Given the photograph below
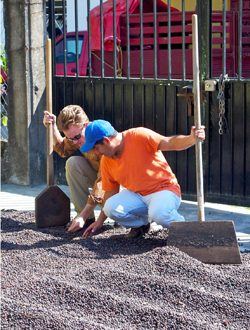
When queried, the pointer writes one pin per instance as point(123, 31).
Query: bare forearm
point(87, 210)
point(57, 137)
point(182, 142)
point(102, 217)
point(177, 142)
point(50, 119)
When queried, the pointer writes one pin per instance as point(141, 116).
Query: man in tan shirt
point(82, 172)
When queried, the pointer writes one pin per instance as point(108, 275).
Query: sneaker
point(138, 232)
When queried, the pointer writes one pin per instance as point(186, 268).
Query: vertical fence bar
point(89, 39)
point(51, 10)
point(183, 42)
point(155, 39)
point(224, 34)
point(208, 67)
point(76, 32)
point(141, 37)
point(240, 41)
point(52, 33)
point(128, 39)
point(204, 12)
point(64, 40)
point(102, 42)
point(114, 38)
point(169, 40)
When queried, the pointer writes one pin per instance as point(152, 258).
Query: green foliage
point(4, 120)
point(2, 63)
point(3, 90)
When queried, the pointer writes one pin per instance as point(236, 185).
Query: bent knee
point(164, 219)
point(70, 163)
point(112, 209)
point(76, 164)
point(108, 208)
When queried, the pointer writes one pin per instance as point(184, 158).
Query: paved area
point(22, 198)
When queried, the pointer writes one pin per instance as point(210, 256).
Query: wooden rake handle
point(50, 165)
point(197, 120)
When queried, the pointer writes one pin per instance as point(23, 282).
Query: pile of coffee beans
point(52, 279)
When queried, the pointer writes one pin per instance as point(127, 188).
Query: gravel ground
point(55, 280)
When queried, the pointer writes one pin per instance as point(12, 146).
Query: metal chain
point(221, 97)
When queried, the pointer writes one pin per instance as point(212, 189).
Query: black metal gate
point(157, 104)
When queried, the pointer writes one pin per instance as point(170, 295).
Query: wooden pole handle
point(197, 120)
point(50, 165)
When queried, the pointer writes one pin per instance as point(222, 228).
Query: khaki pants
point(80, 176)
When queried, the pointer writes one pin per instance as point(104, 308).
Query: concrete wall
point(25, 51)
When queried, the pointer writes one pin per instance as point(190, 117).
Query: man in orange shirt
point(134, 160)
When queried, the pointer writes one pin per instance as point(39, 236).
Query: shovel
point(212, 242)
point(52, 205)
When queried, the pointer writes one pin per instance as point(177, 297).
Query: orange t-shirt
point(142, 168)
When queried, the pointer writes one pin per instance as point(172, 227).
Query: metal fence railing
point(153, 42)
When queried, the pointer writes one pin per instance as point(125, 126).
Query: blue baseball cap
point(95, 131)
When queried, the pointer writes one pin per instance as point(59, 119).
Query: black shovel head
point(211, 242)
point(52, 208)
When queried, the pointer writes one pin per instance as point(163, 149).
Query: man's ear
point(107, 139)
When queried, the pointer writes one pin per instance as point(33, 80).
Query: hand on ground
point(77, 224)
point(92, 229)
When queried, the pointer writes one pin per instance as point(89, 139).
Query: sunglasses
point(78, 136)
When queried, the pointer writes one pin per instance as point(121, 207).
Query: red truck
point(121, 40)
point(71, 54)
point(162, 47)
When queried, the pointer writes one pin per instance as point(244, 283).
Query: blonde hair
point(71, 114)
